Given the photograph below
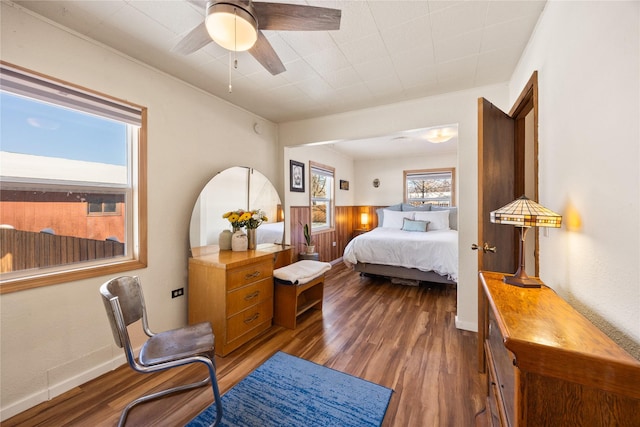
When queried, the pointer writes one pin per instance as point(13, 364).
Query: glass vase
point(251, 237)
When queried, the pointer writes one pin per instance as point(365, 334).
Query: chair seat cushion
point(301, 272)
point(176, 344)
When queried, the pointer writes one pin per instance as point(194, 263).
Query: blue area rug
point(287, 391)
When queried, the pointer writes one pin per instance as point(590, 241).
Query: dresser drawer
point(246, 296)
point(248, 319)
point(252, 273)
point(502, 370)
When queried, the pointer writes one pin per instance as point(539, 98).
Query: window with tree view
point(430, 186)
point(322, 205)
point(72, 182)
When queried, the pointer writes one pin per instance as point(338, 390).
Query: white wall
point(342, 164)
point(390, 173)
point(360, 174)
point(458, 107)
point(588, 59)
point(56, 337)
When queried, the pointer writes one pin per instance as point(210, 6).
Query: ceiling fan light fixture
point(232, 26)
point(437, 136)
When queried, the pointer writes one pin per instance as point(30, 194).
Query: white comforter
point(270, 232)
point(427, 251)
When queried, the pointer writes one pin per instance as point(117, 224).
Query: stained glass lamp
point(524, 214)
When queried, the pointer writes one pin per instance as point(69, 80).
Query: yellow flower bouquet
point(241, 218)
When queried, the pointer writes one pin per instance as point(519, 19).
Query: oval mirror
point(232, 189)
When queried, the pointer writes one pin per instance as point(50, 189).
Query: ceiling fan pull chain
point(235, 44)
point(230, 61)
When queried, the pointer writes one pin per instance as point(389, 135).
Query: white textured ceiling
point(384, 52)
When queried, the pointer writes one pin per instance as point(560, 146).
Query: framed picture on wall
point(296, 176)
point(344, 185)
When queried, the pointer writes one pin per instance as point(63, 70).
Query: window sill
point(45, 279)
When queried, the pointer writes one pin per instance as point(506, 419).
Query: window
point(322, 206)
point(73, 184)
point(105, 205)
point(430, 186)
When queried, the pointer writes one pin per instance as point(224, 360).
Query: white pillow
point(438, 220)
point(395, 219)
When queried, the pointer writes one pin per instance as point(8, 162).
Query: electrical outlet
point(177, 293)
point(334, 244)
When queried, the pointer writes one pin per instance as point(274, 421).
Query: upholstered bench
point(298, 287)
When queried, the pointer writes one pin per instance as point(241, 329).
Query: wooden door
point(501, 175)
point(496, 186)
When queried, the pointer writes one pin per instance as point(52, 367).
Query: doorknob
point(485, 248)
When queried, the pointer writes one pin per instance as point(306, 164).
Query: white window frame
point(328, 171)
point(435, 173)
point(21, 81)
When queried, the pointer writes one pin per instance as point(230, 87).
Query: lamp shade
point(232, 27)
point(524, 212)
point(364, 219)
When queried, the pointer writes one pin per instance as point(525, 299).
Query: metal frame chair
point(124, 303)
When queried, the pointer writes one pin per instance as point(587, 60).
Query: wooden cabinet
point(234, 291)
point(547, 365)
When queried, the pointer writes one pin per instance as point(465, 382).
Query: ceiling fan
point(237, 26)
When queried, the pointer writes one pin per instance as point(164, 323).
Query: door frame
point(526, 102)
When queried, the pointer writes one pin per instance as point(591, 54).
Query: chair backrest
point(124, 303)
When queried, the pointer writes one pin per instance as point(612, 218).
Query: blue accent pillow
point(409, 207)
point(414, 225)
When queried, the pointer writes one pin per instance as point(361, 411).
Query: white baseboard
point(23, 404)
point(467, 326)
point(53, 390)
point(81, 378)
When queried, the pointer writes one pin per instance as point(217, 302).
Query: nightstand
point(314, 256)
point(359, 231)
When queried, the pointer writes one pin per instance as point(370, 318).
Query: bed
point(270, 232)
point(410, 245)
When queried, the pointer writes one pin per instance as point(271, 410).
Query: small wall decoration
point(296, 176)
point(344, 185)
point(376, 183)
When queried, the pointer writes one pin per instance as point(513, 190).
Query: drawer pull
point(252, 275)
point(252, 295)
point(252, 318)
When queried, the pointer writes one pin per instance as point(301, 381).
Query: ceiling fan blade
point(294, 17)
point(263, 52)
point(195, 40)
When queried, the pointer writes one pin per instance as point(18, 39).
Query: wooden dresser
point(234, 291)
point(547, 364)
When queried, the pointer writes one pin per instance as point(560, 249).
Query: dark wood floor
point(402, 337)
